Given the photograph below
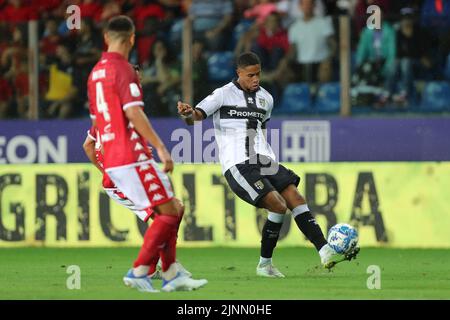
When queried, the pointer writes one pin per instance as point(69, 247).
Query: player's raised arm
point(204, 109)
point(142, 125)
point(189, 114)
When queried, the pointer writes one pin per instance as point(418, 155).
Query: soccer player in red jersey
point(93, 149)
point(115, 101)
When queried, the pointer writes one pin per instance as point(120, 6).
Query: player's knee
point(275, 203)
point(279, 207)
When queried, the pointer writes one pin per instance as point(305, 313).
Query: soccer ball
point(342, 238)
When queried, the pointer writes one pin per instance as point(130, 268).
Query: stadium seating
point(328, 98)
point(296, 99)
point(221, 66)
point(436, 96)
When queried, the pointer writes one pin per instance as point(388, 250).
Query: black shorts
point(252, 180)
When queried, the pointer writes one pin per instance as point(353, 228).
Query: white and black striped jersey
point(239, 118)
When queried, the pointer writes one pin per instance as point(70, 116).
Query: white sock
point(299, 210)
point(275, 217)
point(263, 260)
point(171, 272)
point(141, 271)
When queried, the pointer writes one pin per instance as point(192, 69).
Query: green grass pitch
point(40, 273)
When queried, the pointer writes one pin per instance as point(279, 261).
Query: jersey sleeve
point(92, 133)
point(129, 88)
point(268, 113)
point(211, 103)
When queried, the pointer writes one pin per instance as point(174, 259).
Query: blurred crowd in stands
point(398, 66)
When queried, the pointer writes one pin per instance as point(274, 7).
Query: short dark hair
point(120, 27)
point(247, 59)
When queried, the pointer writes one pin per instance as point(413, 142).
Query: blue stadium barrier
point(436, 96)
point(221, 66)
point(296, 99)
point(328, 98)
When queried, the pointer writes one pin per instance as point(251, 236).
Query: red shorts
point(145, 184)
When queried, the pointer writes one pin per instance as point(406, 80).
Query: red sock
point(156, 236)
point(168, 253)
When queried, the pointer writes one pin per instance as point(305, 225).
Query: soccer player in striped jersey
point(240, 111)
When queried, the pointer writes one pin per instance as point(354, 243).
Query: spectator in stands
point(90, 9)
point(269, 42)
point(199, 71)
point(312, 44)
point(212, 20)
point(292, 10)
point(16, 12)
point(412, 54)
point(149, 21)
point(378, 46)
point(6, 98)
point(61, 95)
point(86, 53)
point(260, 10)
point(160, 82)
point(51, 38)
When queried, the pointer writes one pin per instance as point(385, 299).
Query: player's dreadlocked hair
point(247, 59)
point(120, 27)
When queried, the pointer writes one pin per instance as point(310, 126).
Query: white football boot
point(143, 284)
point(268, 270)
point(179, 281)
point(330, 258)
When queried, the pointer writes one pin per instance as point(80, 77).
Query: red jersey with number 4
point(113, 86)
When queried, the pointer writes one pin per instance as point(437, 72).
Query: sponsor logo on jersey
point(233, 113)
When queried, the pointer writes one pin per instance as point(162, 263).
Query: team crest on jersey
point(262, 102)
point(259, 185)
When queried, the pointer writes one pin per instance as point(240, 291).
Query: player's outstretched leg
point(309, 227)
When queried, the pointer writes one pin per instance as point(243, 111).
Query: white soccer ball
point(342, 238)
